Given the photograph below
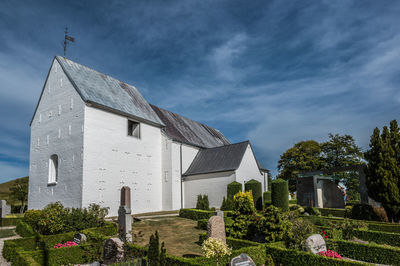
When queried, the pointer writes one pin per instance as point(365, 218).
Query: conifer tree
point(383, 169)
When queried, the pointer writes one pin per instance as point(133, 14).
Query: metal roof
point(219, 159)
point(188, 131)
point(105, 91)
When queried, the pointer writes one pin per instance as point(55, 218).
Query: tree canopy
point(19, 191)
point(383, 169)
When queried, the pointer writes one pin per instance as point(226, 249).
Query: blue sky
point(273, 72)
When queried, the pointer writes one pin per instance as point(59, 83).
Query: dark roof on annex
point(105, 92)
point(219, 159)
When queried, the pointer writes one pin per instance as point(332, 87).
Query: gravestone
point(315, 244)
point(5, 209)
point(242, 260)
point(79, 238)
point(125, 215)
point(219, 213)
point(216, 228)
point(113, 250)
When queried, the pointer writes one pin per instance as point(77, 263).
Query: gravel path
point(3, 261)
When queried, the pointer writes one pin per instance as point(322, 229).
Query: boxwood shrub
point(280, 194)
point(255, 187)
point(392, 239)
point(24, 229)
point(333, 212)
point(233, 188)
point(267, 197)
point(195, 214)
point(9, 221)
point(366, 252)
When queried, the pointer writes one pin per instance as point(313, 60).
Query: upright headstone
point(216, 228)
point(242, 260)
point(5, 209)
point(125, 215)
point(315, 244)
point(113, 251)
point(219, 213)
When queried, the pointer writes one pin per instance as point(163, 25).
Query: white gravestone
point(242, 260)
point(315, 244)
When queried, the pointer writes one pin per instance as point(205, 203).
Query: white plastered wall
point(57, 129)
point(214, 185)
point(112, 159)
point(248, 169)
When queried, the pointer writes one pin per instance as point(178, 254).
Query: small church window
point(53, 169)
point(133, 129)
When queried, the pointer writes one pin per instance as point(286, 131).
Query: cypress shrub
point(233, 189)
point(202, 202)
point(227, 204)
point(255, 187)
point(280, 194)
point(267, 196)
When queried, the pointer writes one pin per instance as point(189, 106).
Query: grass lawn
point(6, 233)
point(179, 234)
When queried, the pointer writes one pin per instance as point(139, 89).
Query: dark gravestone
point(79, 238)
point(242, 260)
point(126, 197)
point(124, 215)
point(113, 250)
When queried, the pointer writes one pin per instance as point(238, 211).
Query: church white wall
point(113, 159)
point(214, 185)
point(248, 169)
point(57, 129)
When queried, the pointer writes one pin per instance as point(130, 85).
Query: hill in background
point(5, 191)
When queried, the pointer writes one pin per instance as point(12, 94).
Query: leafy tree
point(19, 191)
point(303, 156)
point(339, 151)
point(383, 170)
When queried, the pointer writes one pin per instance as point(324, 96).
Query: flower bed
point(330, 254)
point(65, 244)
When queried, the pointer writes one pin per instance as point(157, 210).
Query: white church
point(91, 134)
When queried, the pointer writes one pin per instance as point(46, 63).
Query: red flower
point(326, 236)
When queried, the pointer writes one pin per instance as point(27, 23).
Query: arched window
point(53, 169)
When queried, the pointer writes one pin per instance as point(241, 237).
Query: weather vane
point(67, 39)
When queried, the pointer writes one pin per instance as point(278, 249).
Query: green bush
point(392, 239)
point(297, 235)
point(202, 202)
point(255, 187)
point(55, 219)
point(293, 201)
point(363, 212)
point(12, 246)
point(243, 203)
point(267, 197)
point(9, 221)
point(195, 214)
point(366, 252)
point(233, 188)
point(227, 204)
point(28, 258)
point(312, 211)
point(291, 257)
point(333, 212)
point(280, 194)
point(274, 226)
point(24, 229)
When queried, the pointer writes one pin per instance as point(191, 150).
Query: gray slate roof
point(103, 90)
point(185, 130)
point(220, 159)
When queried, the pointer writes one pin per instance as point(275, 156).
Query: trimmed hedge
point(392, 239)
point(294, 257)
point(9, 221)
point(366, 252)
point(195, 214)
point(23, 244)
point(24, 229)
point(28, 258)
point(267, 197)
point(233, 188)
point(255, 187)
point(293, 201)
point(333, 212)
point(280, 194)
point(83, 253)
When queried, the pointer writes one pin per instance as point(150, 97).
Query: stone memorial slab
point(126, 196)
point(5, 208)
point(219, 213)
point(79, 238)
point(125, 216)
point(315, 244)
point(242, 260)
point(216, 228)
point(113, 250)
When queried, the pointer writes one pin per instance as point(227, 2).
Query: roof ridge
point(227, 145)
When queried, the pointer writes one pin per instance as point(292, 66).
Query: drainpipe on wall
point(265, 184)
point(180, 154)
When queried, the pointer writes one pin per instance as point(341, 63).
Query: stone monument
point(5, 209)
point(242, 260)
point(315, 244)
point(113, 250)
point(79, 238)
point(219, 213)
point(125, 216)
point(216, 228)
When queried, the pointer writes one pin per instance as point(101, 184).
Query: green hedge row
point(387, 238)
point(289, 257)
point(24, 229)
point(9, 221)
point(195, 214)
point(293, 201)
point(372, 225)
point(23, 244)
point(366, 252)
point(83, 253)
point(28, 258)
point(333, 212)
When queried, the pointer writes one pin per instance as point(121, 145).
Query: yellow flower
point(214, 247)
